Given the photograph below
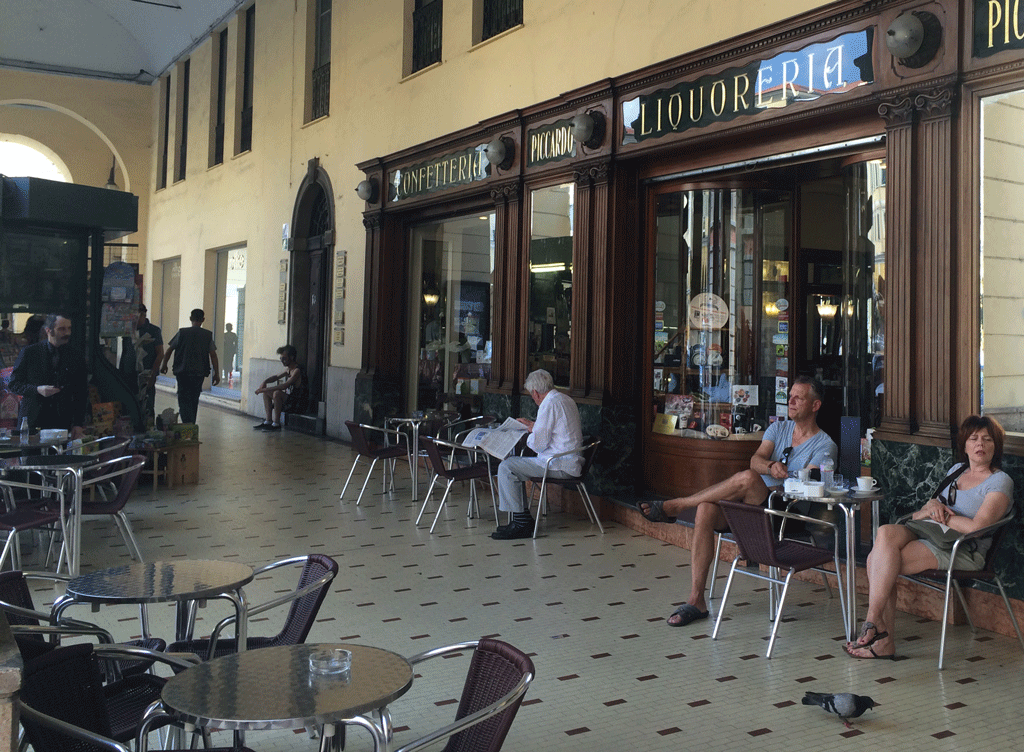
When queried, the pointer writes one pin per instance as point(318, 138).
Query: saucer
point(864, 494)
point(838, 492)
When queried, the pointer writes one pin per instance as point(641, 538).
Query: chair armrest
point(979, 533)
point(63, 727)
point(93, 479)
point(176, 661)
point(399, 435)
point(426, 655)
point(79, 630)
point(787, 515)
point(580, 451)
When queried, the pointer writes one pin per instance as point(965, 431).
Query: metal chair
point(376, 450)
point(126, 471)
point(64, 705)
point(314, 582)
point(105, 448)
point(945, 580)
point(498, 677)
point(589, 449)
point(452, 471)
point(37, 633)
point(757, 543)
point(48, 512)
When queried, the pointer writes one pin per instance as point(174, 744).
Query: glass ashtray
point(331, 662)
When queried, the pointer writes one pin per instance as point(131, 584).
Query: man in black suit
point(52, 379)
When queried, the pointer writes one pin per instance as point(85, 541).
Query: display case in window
point(721, 314)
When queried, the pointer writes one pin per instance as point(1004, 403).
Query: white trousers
point(512, 473)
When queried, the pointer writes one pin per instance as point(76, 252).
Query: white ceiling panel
point(114, 39)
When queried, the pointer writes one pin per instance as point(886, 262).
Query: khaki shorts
point(969, 560)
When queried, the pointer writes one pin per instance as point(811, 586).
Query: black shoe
point(272, 427)
point(513, 532)
point(261, 427)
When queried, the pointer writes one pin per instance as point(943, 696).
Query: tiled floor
point(589, 608)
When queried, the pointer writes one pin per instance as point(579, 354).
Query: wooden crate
point(183, 465)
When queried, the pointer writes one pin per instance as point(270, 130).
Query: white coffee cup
point(814, 488)
point(866, 484)
point(804, 474)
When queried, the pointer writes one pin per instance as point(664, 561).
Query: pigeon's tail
point(814, 698)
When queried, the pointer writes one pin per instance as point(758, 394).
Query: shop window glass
point(452, 270)
point(721, 318)
point(170, 295)
point(1002, 258)
point(550, 322)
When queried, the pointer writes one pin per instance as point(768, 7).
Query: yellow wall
point(563, 44)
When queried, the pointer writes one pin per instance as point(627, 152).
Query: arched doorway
point(309, 283)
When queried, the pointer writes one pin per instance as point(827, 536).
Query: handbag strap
point(948, 480)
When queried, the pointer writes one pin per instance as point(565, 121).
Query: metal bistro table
point(850, 502)
point(183, 582)
point(414, 421)
point(274, 688)
point(64, 466)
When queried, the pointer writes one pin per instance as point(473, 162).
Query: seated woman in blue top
point(983, 496)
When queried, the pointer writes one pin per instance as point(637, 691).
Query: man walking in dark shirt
point(194, 352)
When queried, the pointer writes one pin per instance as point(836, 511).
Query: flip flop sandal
point(850, 648)
point(655, 511)
point(863, 631)
point(687, 615)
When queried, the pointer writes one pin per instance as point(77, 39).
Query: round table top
point(160, 581)
point(48, 461)
point(273, 688)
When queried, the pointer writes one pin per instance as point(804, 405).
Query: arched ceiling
point(126, 40)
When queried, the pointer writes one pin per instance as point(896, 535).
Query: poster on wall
point(708, 311)
point(781, 390)
point(745, 395)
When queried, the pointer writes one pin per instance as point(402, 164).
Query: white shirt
point(558, 430)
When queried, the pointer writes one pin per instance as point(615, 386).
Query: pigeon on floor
point(843, 704)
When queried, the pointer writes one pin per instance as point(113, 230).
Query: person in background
point(230, 348)
point(53, 380)
point(195, 352)
point(556, 430)
point(289, 395)
point(151, 342)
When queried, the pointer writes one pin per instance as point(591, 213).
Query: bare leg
point(702, 552)
point(746, 486)
point(896, 551)
point(278, 404)
point(268, 405)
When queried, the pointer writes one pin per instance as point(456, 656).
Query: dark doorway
point(309, 288)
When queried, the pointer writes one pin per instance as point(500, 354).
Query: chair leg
point(343, 490)
point(369, 474)
point(542, 504)
point(945, 619)
point(426, 499)
point(963, 604)
point(778, 614)
point(714, 564)
point(128, 535)
point(725, 596)
point(440, 507)
point(590, 507)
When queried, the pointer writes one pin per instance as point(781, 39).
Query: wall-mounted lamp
point(367, 190)
point(771, 310)
point(501, 152)
point(588, 128)
point(913, 38)
point(827, 309)
point(111, 185)
point(431, 295)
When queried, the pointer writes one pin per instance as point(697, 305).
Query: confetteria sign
point(998, 26)
point(835, 67)
point(549, 143)
point(458, 168)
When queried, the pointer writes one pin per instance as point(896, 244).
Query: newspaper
point(498, 442)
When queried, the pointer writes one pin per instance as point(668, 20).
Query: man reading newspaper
point(556, 430)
